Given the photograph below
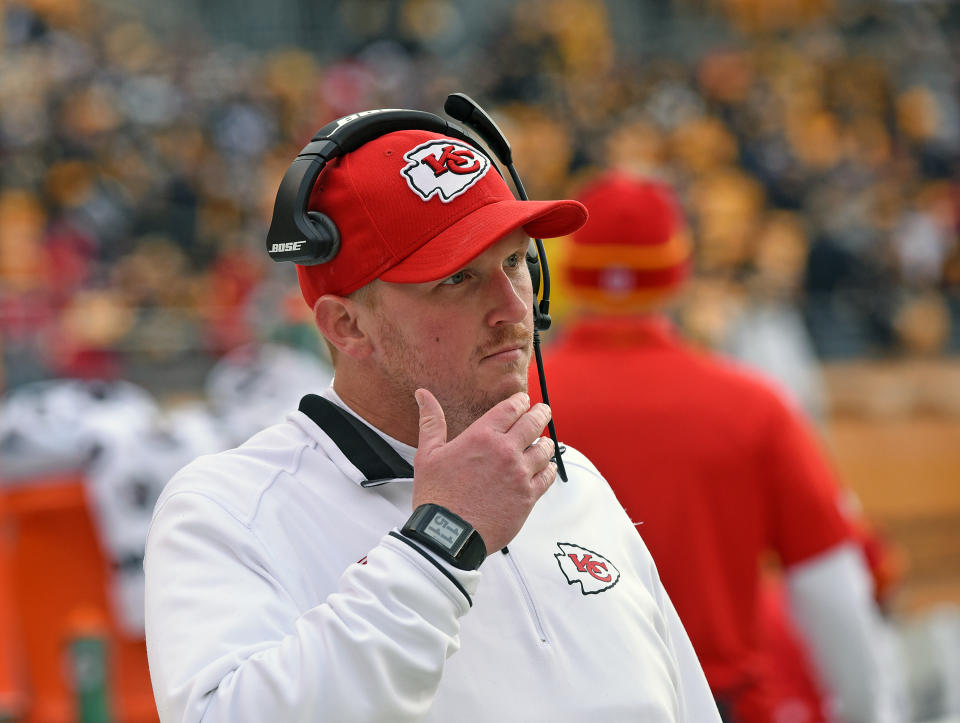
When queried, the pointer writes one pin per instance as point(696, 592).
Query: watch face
point(443, 530)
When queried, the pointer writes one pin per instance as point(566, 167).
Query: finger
point(503, 416)
point(545, 477)
point(539, 453)
point(433, 425)
point(530, 426)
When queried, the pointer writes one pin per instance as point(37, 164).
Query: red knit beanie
point(634, 250)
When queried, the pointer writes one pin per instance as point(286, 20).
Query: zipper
point(527, 597)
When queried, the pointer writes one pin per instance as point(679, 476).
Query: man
point(717, 472)
point(287, 579)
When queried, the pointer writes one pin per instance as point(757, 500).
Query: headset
point(309, 237)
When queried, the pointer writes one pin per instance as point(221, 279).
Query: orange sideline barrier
point(53, 583)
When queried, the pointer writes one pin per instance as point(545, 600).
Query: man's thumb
point(433, 425)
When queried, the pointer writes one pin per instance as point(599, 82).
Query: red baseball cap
point(415, 206)
point(635, 250)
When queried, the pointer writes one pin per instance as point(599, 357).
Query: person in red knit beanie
point(717, 471)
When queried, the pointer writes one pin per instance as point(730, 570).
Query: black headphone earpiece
point(541, 319)
point(326, 232)
point(533, 266)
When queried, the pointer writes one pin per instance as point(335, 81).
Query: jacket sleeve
point(831, 600)
point(697, 704)
point(226, 642)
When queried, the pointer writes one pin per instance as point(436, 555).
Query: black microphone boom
point(463, 108)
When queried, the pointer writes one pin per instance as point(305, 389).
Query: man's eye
point(512, 261)
point(457, 278)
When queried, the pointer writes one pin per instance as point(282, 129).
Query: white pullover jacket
point(278, 590)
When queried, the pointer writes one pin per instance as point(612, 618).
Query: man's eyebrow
point(521, 247)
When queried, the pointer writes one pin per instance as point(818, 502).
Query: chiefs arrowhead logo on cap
point(594, 572)
point(443, 167)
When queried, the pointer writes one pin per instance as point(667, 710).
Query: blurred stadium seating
point(814, 143)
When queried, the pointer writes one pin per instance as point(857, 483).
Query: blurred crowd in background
point(814, 144)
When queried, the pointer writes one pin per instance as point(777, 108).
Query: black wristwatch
point(448, 535)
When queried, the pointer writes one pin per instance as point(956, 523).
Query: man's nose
point(511, 300)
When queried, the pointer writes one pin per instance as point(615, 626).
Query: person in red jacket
point(717, 471)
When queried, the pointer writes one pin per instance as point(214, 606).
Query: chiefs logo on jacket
point(594, 572)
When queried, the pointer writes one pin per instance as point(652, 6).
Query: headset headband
point(307, 237)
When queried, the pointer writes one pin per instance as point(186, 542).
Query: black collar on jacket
point(367, 451)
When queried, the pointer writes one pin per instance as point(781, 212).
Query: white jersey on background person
point(279, 590)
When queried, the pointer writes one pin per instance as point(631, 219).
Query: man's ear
point(339, 320)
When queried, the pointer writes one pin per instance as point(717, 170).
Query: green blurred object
point(88, 665)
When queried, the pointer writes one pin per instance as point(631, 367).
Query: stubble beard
point(462, 402)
